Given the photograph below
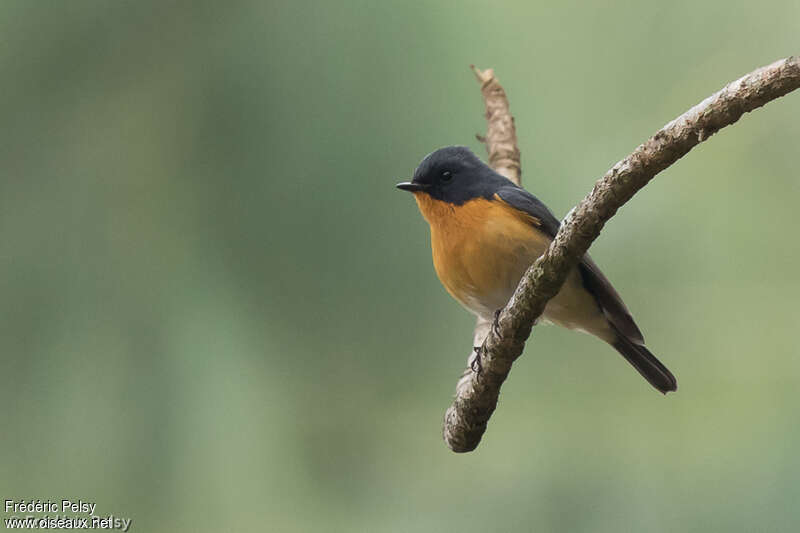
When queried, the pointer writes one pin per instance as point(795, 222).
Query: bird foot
point(496, 324)
point(475, 364)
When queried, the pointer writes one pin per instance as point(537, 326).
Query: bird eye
point(447, 175)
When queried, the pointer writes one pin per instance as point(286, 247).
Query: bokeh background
point(219, 315)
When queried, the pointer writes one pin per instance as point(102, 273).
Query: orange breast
point(481, 249)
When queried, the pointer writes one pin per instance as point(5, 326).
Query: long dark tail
point(646, 363)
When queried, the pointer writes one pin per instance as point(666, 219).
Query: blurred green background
point(219, 315)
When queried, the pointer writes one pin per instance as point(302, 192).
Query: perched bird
point(485, 233)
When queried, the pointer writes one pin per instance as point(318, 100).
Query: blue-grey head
point(455, 175)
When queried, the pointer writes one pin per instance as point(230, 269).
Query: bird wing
point(519, 198)
point(593, 279)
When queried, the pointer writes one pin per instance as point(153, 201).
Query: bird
point(486, 231)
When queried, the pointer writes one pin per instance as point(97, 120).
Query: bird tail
point(646, 363)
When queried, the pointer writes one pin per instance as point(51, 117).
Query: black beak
point(410, 186)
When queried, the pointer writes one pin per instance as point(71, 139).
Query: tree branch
point(501, 136)
point(476, 397)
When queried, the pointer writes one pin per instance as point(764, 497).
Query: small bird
point(485, 233)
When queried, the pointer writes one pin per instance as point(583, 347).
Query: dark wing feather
point(608, 298)
point(519, 198)
point(593, 279)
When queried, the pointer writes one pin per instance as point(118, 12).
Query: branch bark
point(476, 396)
point(501, 135)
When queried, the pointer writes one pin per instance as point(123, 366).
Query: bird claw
point(475, 364)
point(496, 324)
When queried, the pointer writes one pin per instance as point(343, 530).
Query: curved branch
point(466, 419)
